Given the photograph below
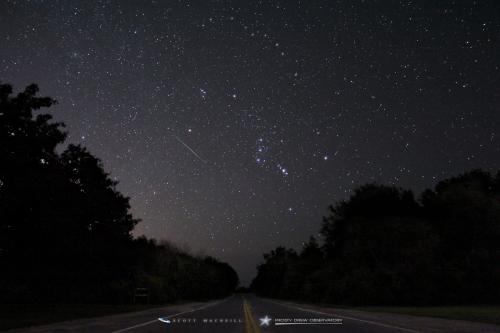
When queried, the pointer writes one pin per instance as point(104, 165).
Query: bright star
point(265, 321)
point(203, 93)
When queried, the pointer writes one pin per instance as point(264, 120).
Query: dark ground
point(243, 313)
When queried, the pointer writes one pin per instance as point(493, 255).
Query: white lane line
point(283, 324)
point(136, 326)
point(171, 316)
point(345, 317)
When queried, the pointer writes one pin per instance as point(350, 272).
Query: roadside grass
point(489, 314)
point(25, 315)
point(485, 314)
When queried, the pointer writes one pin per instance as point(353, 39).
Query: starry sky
point(233, 124)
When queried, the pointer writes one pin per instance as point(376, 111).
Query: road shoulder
point(410, 322)
point(116, 320)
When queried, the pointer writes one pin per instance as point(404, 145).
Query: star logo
point(265, 321)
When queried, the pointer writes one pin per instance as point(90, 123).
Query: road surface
point(250, 314)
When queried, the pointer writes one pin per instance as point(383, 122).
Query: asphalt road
point(250, 314)
point(239, 313)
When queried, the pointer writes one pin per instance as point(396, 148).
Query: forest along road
point(251, 314)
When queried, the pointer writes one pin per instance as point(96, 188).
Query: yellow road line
point(254, 324)
point(250, 324)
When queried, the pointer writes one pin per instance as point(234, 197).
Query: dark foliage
point(65, 231)
point(383, 247)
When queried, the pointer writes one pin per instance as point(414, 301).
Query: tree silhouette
point(465, 211)
point(65, 230)
point(383, 247)
point(29, 160)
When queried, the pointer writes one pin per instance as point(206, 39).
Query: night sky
point(233, 124)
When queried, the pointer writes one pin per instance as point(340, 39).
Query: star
point(207, 108)
point(265, 321)
point(203, 93)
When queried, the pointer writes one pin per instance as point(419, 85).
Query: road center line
point(252, 325)
point(345, 317)
point(248, 326)
point(171, 316)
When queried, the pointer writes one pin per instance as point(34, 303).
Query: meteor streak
point(190, 149)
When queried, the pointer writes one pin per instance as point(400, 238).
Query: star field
point(233, 124)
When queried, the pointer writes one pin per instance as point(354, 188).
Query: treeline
point(382, 246)
point(65, 230)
